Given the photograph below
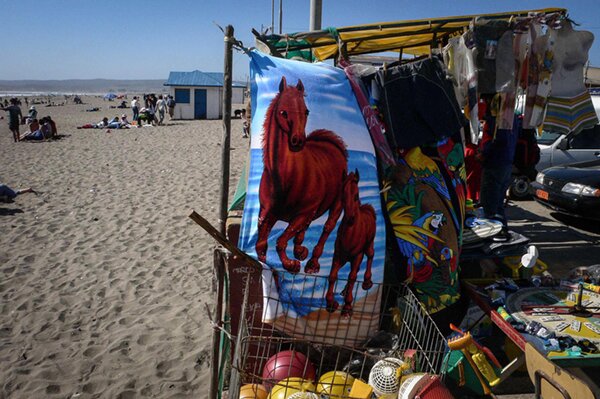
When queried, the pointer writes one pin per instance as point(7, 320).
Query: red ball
point(287, 364)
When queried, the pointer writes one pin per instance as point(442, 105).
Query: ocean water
point(306, 293)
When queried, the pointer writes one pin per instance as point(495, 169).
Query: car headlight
point(580, 189)
point(540, 178)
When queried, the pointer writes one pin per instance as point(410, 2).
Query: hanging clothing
point(570, 114)
point(505, 63)
point(427, 241)
point(370, 113)
point(419, 195)
point(461, 67)
point(533, 72)
point(418, 103)
point(486, 34)
point(544, 63)
point(473, 167)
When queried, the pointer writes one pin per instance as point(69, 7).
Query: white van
point(559, 149)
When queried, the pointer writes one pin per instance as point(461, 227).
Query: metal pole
point(280, 14)
point(225, 148)
point(273, 16)
point(316, 10)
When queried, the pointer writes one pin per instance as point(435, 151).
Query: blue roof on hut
point(198, 78)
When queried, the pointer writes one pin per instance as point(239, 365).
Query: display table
point(552, 308)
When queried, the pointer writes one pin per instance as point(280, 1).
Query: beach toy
point(433, 389)
point(289, 386)
point(253, 391)
point(335, 384)
point(411, 385)
point(385, 376)
point(287, 364)
point(361, 390)
point(303, 395)
point(504, 314)
point(465, 344)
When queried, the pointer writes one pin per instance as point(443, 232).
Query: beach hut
point(199, 95)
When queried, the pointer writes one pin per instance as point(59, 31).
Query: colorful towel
point(312, 211)
point(570, 114)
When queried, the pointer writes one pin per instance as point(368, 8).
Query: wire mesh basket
point(328, 347)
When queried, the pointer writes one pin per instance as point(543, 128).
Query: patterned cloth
point(570, 114)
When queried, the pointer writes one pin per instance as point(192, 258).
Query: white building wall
point(183, 111)
point(213, 104)
point(237, 95)
point(214, 101)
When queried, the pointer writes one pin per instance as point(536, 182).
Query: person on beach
point(135, 108)
point(103, 123)
point(14, 117)
point(171, 106)
point(43, 129)
point(147, 116)
point(32, 114)
point(247, 119)
point(125, 122)
point(161, 108)
point(7, 194)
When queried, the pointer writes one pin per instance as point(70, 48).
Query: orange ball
point(253, 391)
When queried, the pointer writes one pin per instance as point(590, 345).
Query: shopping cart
point(393, 324)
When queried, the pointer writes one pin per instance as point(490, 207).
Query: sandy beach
point(104, 279)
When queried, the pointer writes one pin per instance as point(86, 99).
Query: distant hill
point(83, 86)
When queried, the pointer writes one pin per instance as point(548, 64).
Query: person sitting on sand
point(125, 122)
point(53, 125)
point(146, 115)
point(7, 194)
point(39, 130)
point(115, 123)
point(31, 115)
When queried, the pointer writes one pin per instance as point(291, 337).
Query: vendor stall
point(354, 221)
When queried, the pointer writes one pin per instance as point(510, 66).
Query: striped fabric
point(570, 114)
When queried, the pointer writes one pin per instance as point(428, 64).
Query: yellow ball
point(253, 391)
point(335, 384)
point(285, 388)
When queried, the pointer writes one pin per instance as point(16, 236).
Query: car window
point(587, 139)
point(548, 138)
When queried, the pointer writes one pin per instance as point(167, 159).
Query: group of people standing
point(154, 109)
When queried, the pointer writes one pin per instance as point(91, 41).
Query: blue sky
point(120, 39)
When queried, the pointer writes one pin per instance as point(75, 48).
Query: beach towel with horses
point(313, 211)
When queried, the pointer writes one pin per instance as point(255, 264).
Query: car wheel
point(519, 188)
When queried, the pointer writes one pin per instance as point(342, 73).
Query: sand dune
point(103, 277)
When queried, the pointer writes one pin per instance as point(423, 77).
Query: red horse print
point(355, 238)
point(302, 178)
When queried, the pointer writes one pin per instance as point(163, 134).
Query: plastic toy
point(335, 384)
point(385, 376)
point(466, 345)
point(289, 386)
point(287, 364)
point(253, 391)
